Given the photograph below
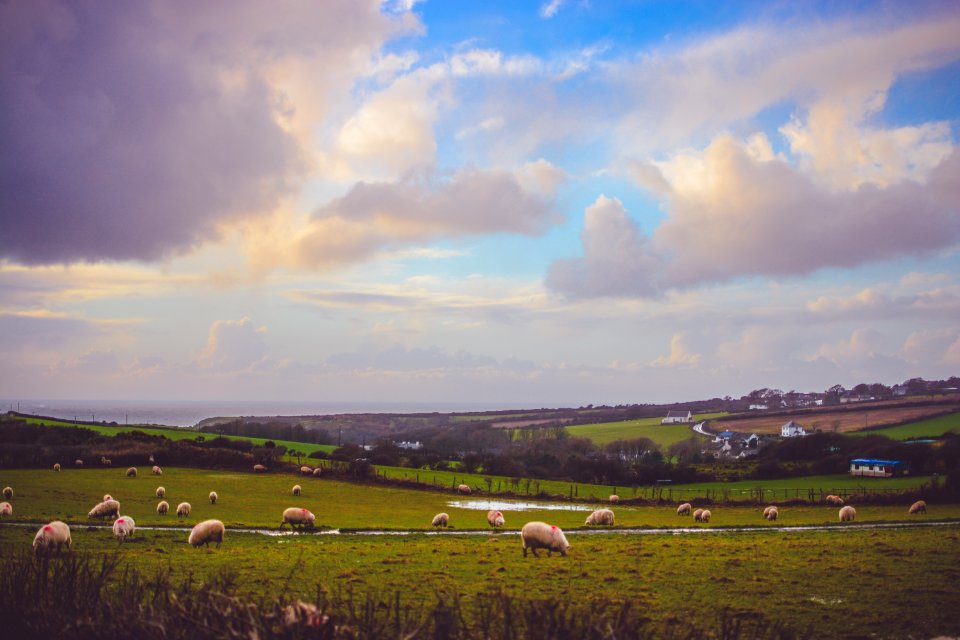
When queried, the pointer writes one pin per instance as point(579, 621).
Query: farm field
point(931, 428)
point(832, 582)
point(663, 434)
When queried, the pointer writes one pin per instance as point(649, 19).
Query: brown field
point(841, 418)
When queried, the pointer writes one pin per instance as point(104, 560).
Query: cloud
point(234, 345)
point(549, 9)
point(131, 132)
point(680, 355)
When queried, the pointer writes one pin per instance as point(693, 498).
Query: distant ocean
point(189, 413)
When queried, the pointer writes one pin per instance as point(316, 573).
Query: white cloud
point(549, 9)
point(234, 345)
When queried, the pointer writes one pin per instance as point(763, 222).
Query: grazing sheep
point(105, 461)
point(600, 517)
point(834, 501)
point(305, 470)
point(56, 466)
point(540, 535)
point(123, 527)
point(132, 472)
point(157, 471)
point(464, 489)
point(78, 462)
point(183, 509)
point(614, 498)
point(441, 520)
point(495, 518)
point(52, 537)
point(162, 507)
point(296, 489)
point(684, 509)
point(213, 497)
point(702, 515)
point(771, 513)
point(696, 515)
point(8, 493)
point(105, 509)
point(6, 509)
point(259, 468)
point(107, 496)
point(848, 514)
point(161, 492)
point(317, 472)
point(297, 517)
point(206, 532)
point(918, 507)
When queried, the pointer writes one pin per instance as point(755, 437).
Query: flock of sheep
point(533, 535)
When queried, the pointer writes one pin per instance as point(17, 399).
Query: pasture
point(834, 582)
point(930, 428)
point(663, 434)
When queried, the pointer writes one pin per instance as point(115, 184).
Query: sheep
point(441, 520)
point(696, 515)
point(600, 517)
point(702, 515)
point(317, 472)
point(834, 501)
point(305, 470)
point(8, 493)
point(684, 509)
point(105, 461)
point(495, 518)
point(464, 489)
point(614, 499)
point(847, 514)
point(6, 509)
point(56, 466)
point(183, 509)
point(259, 468)
point(918, 507)
point(213, 497)
point(78, 462)
point(132, 472)
point(157, 471)
point(540, 535)
point(206, 532)
point(296, 490)
point(162, 507)
point(771, 513)
point(52, 537)
point(107, 496)
point(161, 492)
point(123, 527)
point(105, 509)
point(297, 517)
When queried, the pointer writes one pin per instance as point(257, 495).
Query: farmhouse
point(876, 468)
point(792, 430)
point(677, 417)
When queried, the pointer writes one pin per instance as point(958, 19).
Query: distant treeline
point(274, 430)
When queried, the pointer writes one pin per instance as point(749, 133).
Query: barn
point(876, 468)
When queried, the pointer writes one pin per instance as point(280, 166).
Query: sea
point(178, 413)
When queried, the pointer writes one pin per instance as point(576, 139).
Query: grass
point(931, 428)
point(664, 435)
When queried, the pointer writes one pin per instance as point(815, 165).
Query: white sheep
point(684, 509)
point(464, 489)
point(107, 496)
point(305, 470)
point(132, 472)
point(123, 527)
point(183, 509)
point(213, 497)
point(259, 468)
point(297, 517)
point(614, 498)
point(771, 513)
point(495, 518)
point(540, 535)
point(105, 461)
point(600, 517)
point(6, 509)
point(847, 514)
point(317, 472)
point(834, 501)
point(105, 509)
point(8, 493)
point(78, 462)
point(52, 537)
point(696, 515)
point(162, 507)
point(702, 515)
point(918, 507)
point(206, 532)
point(441, 520)
point(157, 471)
point(296, 489)
point(161, 492)
point(56, 466)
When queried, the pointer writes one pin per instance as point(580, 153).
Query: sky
point(552, 203)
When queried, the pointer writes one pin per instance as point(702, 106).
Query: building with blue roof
point(876, 468)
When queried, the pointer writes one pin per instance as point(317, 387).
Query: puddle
point(503, 505)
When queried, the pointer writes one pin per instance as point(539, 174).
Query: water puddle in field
point(504, 505)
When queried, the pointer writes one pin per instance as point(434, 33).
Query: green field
point(932, 428)
point(835, 582)
point(663, 434)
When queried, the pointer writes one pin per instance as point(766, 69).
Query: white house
point(792, 430)
point(677, 417)
point(758, 407)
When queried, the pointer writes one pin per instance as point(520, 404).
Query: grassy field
point(931, 428)
point(664, 435)
point(835, 582)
